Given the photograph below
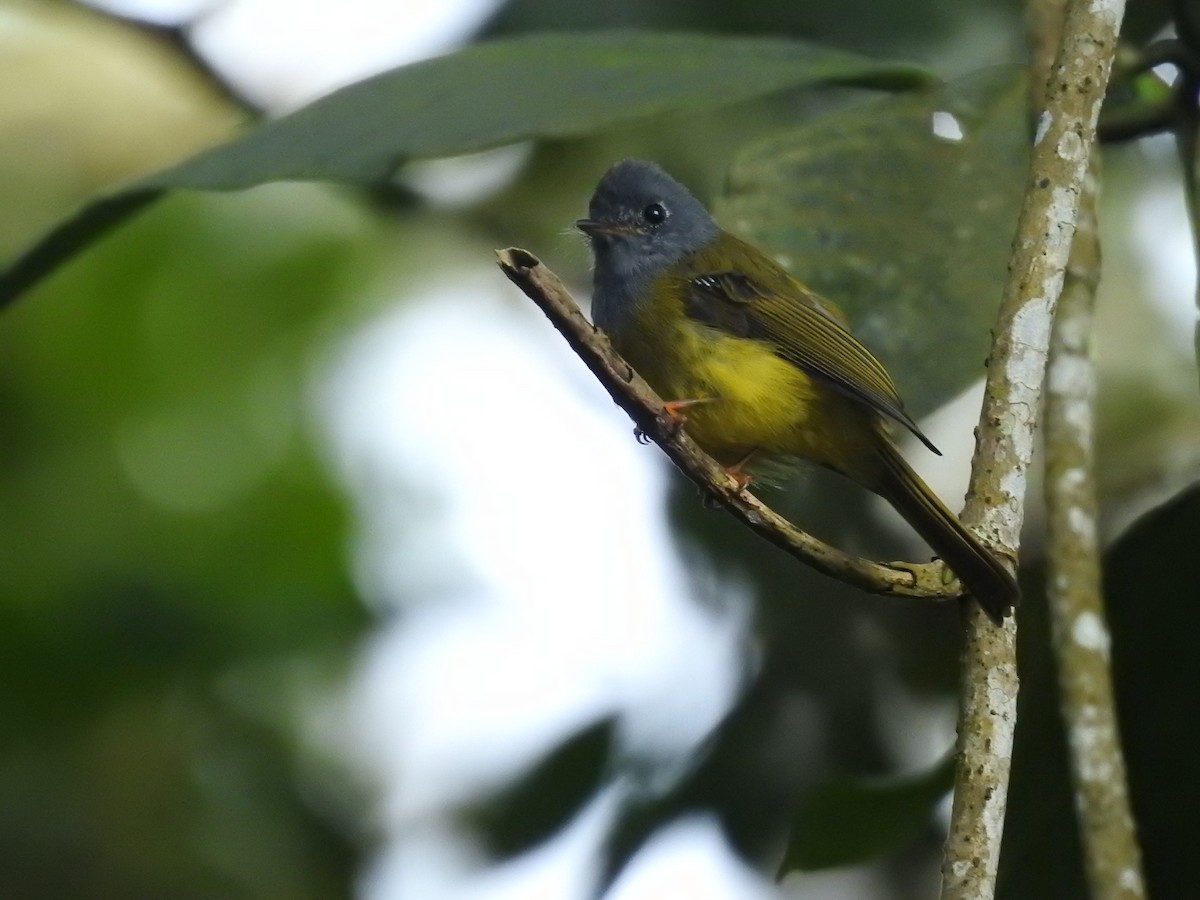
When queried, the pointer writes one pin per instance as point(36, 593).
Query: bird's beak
point(592, 227)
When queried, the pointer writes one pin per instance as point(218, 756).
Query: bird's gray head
point(640, 221)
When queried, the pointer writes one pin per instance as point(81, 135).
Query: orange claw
point(675, 408)
point(741, 479)
point(674, 411)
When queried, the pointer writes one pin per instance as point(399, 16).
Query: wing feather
point(801, 326)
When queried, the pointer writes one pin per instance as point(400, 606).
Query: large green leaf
point(847, 821)
point(909, 231)
point(546, 797)
point(548, 85)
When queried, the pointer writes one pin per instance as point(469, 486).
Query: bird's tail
point(982, 574)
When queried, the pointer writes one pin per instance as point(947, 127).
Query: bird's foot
point(676, 410)
point(675, 413)
point(673, 417)
point(741, 479)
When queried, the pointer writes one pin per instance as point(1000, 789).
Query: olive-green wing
point(803, 327)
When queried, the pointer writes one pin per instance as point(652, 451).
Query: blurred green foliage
point(864, 26)
point(163, 518)
point(844, 821)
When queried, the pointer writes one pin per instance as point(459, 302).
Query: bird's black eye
point(654, 214)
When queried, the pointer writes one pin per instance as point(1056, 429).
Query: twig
point(1004, 446)
point(1081, 642)
point(930, 581)
point(1080, 636)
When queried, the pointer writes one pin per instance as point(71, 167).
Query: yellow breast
point(756, 401)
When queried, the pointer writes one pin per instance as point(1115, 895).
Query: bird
point(756, 367)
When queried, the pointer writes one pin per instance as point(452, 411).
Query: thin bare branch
point(1112, 858)
point(1004, 446)
point(929, 581)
